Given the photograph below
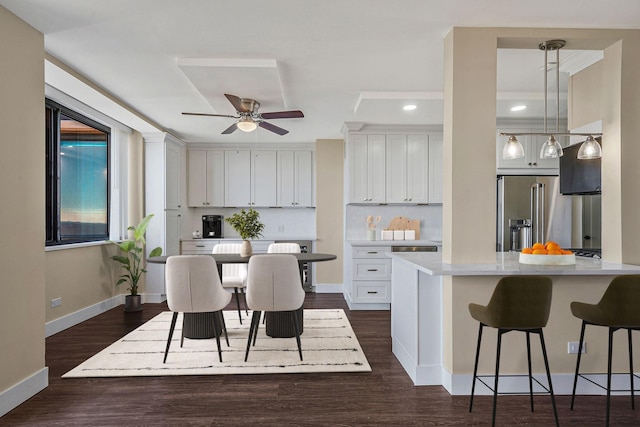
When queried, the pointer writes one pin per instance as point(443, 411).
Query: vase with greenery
point(130, 260)
point(247, 224)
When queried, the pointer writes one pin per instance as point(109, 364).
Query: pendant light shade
point(512, 149)
point(590, 149)
point(551, 149)
point(246, 124)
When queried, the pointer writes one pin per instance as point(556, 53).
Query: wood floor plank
point(386, 396)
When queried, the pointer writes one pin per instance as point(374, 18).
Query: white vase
point(246, 249)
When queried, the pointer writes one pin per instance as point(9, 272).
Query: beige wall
point(585, 96)
point(22, 163)
point(330, 208)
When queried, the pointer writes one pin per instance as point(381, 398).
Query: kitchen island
point(434, 336)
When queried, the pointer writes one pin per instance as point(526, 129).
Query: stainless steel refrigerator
point(530, 209)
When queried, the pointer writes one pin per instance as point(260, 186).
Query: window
point(77, 187)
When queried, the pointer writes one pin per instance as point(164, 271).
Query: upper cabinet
point(250, 178)
point(295, 178)
point(398, 168)
point(366, 168)
point(532, 145)
point(206, 178)
point(407, 172)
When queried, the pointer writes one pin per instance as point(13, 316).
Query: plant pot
point(133, 303)
point(246, 249)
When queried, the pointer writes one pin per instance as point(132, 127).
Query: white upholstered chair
point(233, 275)
point(193, 286)
point(273, 285)
point(284, 248)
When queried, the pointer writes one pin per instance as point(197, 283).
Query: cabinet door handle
point(372, 269)
point(372, 252)
point(372, 292)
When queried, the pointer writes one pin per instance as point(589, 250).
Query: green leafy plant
point(246, 224)
point(130, 258)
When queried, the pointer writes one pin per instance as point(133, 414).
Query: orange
point(539, 251)
point(537, 246)
point(552, 246)
point(566, 252)
point(527, 251)
point(555, 252)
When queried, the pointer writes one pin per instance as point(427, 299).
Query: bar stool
point(518, 303)
point(619, 308)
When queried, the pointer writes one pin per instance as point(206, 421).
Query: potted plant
point(130, 259)
point(247, 224)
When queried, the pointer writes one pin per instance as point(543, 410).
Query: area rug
point(328, 345)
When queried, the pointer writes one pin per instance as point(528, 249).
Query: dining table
point(278, 324)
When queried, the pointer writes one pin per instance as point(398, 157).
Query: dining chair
point(284, 248)
point(273, 285)
point(233, 275)
point(518, 303)
point(193, 286)
point(619, 308)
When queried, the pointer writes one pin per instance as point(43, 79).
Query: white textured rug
point(328, 345)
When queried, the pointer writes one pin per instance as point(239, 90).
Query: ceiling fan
point(249, 118)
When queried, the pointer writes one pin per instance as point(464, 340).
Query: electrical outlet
point(56, 302)
point(572, 347)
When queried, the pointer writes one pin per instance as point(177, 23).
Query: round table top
point(237, 259)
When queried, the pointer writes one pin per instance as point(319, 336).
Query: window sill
point(75, 245)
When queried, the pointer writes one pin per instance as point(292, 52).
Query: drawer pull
point(199, 246)
point(372, 292)
point(372, 252)
point(372, 269)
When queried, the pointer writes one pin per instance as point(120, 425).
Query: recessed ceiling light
point(409, 107)
point(519, 108)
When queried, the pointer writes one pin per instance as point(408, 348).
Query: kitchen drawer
point(372, 291)
point(373, 269)
point(370, 251)
point(193, 247)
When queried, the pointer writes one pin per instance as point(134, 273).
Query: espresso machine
point(212, 226)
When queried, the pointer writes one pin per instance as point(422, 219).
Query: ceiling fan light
point(246, 124)
point(551, 149)
point(512, 149)
point(590, 149)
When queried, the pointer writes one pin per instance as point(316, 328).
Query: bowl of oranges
point(549, 253)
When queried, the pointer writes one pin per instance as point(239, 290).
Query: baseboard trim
point(60, 324)
point(24, 390)
point(328, 288)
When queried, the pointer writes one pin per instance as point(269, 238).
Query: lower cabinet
point(205, 246)
point(371, 275)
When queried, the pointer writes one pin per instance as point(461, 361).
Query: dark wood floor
point(386, 396)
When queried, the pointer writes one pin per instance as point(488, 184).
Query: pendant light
point(246, 124)
point(552, 149)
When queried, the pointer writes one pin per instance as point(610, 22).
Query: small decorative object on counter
point(371, 227)
point(247, 224)
point(398, 234)
point(387, 234)
point(547, 254)
point(196, 234)
point(409, 235)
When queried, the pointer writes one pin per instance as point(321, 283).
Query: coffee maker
point(212, 226)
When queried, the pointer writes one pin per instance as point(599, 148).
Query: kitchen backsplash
point(430, 217)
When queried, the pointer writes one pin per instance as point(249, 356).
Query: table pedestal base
point(280, 324)
point(198, 326)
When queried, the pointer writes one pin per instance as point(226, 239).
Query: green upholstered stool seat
point(619, 308)
point(518, 303)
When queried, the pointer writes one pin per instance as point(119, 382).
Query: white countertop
point(394, 243)
point(507, 265)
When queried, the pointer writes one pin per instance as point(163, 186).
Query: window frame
point(53, 112)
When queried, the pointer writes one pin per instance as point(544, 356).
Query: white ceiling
point(337, 61)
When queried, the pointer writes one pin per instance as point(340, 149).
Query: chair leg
point(235, 291)
point(182, 333)
point(253, 329)
point(495, 383)
point(575, 377)
point(173, 326)
point(296, 324)
point(633, 404)
point(611, 330)
point(244, 297)
point(528, 334)
point(224, 326)
point(546, 365)
point(216, 327)
point(475, 367)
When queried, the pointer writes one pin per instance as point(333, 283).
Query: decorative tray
point(547, 259)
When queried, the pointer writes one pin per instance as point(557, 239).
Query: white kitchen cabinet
point(371, 275)
point(407, 172)
point(366, 168)
point(206, 178)
point(531, 144)
point(205, 246)
point(250, 178)
point(295, 178)
point(435, 168)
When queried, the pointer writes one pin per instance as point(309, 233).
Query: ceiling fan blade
point(237, 103)
point(282, 115)
point(211, 115)
point(273, 128)
point(230, 129)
